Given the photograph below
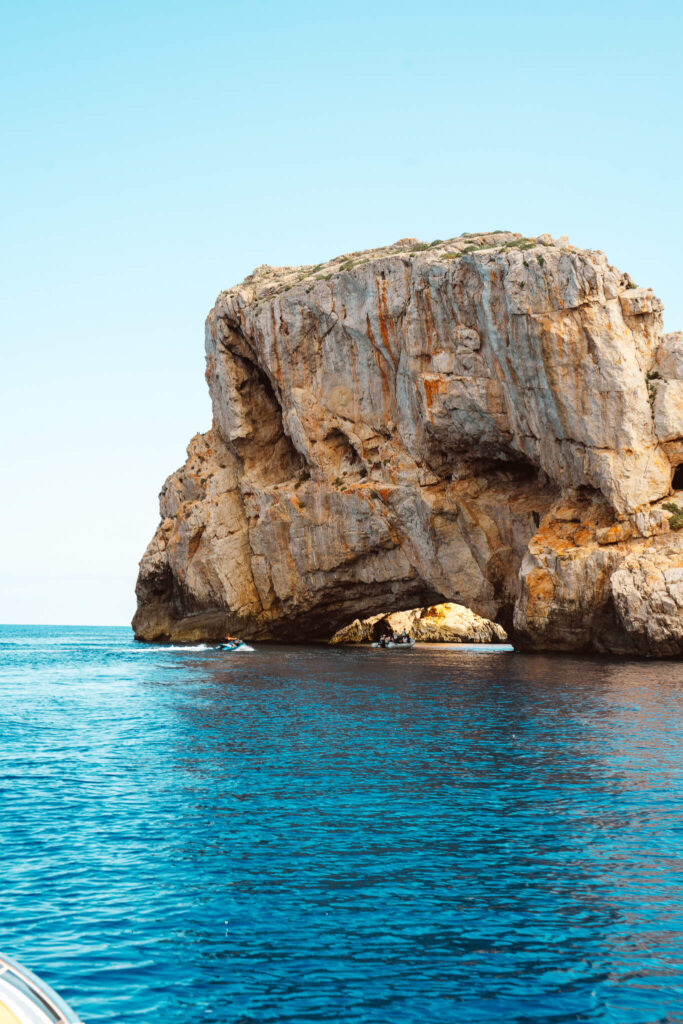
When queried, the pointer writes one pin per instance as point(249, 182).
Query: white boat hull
point(391, 646)
point(26, 999)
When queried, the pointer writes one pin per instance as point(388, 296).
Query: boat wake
point(190, 648)
point(180, 647)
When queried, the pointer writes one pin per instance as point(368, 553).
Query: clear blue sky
point(153, 153)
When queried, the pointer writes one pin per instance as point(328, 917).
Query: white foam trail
point(180, 647)
point(196, 647)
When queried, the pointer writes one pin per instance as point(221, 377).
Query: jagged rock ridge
point(491, 420)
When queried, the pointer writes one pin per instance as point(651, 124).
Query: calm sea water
point(307, 835)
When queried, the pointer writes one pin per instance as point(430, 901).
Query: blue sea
point(338, 835)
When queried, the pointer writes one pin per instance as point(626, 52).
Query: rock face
point(441, 623)
point(491, 420)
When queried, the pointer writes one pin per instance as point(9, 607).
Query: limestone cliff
point(491, 420)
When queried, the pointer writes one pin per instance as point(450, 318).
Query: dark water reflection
point(337, 835)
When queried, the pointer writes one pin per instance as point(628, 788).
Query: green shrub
point(464, 252)
point(522, 243)
point(676, 521)
point(651, 390)
point(482, 234)
point(518, 243)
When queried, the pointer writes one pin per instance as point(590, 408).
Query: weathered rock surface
point(648, 594)
point(492, 420)
point(441, 623)
point(669, 362)
point(572, 588)
point(668, 409)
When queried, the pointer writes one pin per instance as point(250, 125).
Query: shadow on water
point(306, 834)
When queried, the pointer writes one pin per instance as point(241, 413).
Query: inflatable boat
point(393, 645)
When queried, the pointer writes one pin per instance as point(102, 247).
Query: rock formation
point(491, 420)
point(440, 623)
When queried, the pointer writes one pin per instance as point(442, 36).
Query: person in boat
point(404, 637)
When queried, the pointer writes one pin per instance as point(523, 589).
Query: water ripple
point(307, 835)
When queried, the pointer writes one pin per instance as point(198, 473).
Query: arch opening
point(438, 623)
